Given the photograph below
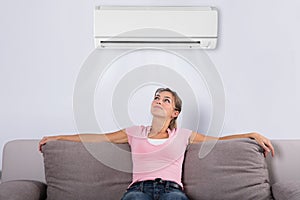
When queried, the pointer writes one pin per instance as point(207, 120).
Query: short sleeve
point(186, 134)
point(134, 131)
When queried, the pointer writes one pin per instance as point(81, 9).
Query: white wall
point(44, 43)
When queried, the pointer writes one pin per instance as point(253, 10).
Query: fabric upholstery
point(284, 166)
point(234, 169)
point(22, 161)
point(289, 190)
point(22, 190)
point(73, 173)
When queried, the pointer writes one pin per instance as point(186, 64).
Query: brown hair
point(178, 104)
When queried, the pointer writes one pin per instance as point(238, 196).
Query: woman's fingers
point(266, 144)
point(270, 147)
point(44, 140)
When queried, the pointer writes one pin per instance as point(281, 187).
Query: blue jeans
point(154, 190)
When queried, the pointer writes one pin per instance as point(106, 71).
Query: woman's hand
point(264, 142)
point(46, 139)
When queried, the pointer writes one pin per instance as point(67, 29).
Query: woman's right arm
point(114, 137)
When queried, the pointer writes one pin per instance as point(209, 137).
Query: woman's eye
point(167, 100)
point(156, 98)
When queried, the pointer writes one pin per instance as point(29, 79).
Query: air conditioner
point(179, 27)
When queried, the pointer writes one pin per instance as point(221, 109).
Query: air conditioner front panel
point(190, 23)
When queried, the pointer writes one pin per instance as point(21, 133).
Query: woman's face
point(163, 105)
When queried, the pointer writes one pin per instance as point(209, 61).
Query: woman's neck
point(159, 128)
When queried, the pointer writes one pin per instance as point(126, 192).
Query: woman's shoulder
point(137, 130)
point(184, 130)
point(183, 133)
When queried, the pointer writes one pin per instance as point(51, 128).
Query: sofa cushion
point(234, 169)
point(289, 190)
point(73, 173)
point(22, 190)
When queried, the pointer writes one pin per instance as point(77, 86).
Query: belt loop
point(142, 186)
point(167, 186)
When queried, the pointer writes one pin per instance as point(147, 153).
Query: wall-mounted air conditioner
point(183, 27)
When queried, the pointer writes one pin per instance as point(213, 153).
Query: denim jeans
point(153, 190)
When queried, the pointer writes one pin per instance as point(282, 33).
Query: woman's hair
point(178, 104)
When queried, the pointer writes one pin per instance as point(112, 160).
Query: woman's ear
point(175, 113)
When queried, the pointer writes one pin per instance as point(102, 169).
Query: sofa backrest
point(23, 161)
point(232, 170)
point(285, 165)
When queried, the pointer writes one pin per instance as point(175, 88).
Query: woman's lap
point(138, 195)
point(151, 192)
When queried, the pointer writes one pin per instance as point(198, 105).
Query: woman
point(158, 150)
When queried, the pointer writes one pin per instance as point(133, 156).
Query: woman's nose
point(158, 101)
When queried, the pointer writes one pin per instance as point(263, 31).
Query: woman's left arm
point(264, 142)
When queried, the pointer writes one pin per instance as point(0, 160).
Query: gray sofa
point(233, 170)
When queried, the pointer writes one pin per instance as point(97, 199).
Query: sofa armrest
point(288, 190)
point(23, 190)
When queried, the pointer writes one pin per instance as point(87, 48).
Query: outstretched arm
point(261, 140)
point(115, 137)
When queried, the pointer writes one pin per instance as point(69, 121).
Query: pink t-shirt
point(157, 161)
